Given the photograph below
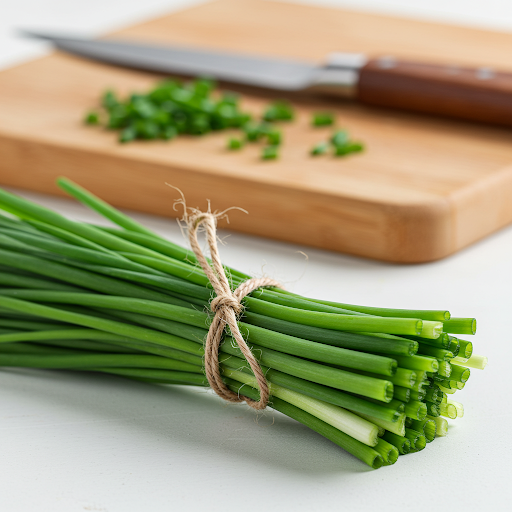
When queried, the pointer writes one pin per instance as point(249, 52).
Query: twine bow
point(227, 308)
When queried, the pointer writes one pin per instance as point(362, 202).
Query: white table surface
point(70, 442)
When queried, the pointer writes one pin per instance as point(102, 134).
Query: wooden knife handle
point(478, 94)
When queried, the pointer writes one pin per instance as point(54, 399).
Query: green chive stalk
point(417, 439)
point(441, 426)
point(460, 326)
point(125, 301)
point(402, 444)
point(427, 426)
point(475, 361)
point(448, 410)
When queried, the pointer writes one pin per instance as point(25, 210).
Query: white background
point(71, 443)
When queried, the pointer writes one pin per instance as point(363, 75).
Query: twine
point(227, 308)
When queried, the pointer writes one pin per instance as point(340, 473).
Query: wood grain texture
point(477, 94)
point(424, 188)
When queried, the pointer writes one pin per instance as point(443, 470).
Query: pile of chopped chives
point(168, 110)
point(173, 108)
point(377, 382)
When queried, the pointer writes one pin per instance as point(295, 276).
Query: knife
point(477, 94)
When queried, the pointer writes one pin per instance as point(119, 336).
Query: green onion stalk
point(124, 301)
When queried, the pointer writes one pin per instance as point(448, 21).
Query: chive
point(460, 326)
point(449, 391)
point(320, 149)
point(322, 119)
point(270, 152)
point(253, 132)
point(234, 143)
point(433, 394)
point(418, 395)
point(92, 117)
point(466, 349)
point(168, 133)
point(445, 369)
point(95, 203)
point(127, 134)
point(458, 406)
point(350, 340)
point(402, 394)
point(432, 409)
point(416, 410)
point(93, 360)
point(441, 426)
point(348, 148)
point(402, 444)
point(436, 352)
point(109, 100)
point(345, 421)
point(433, 315)
point(448, 410)
point(387, 451)
point(279, 111)
point(397, 427)
point(459, 373)
point(340, 138)
point(403, 377)
point(475, 361)
point(363, 452)
point(427, 427)
point(416, 438)
point(424, 363)
point(274, 137)
point(324, 393)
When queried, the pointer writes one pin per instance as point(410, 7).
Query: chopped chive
point(346, 149)
point(92, 118)
point(252, 132)
point(274, 137)
point(320, 149)
point(270, 152)
point(235, 143)
point(127, 135)
point(340, 138)
point(322, 119)
point(169, 132)
point(279, 111)
point(109, 100)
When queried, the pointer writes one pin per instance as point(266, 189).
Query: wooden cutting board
point(424, 188)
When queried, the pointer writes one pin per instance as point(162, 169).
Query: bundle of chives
point(127, 302)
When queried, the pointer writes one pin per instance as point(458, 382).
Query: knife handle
point(477, 94)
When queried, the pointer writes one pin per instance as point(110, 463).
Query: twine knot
point(226, 301)
point(227, 306)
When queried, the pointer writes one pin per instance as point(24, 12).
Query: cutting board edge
point(412, 233)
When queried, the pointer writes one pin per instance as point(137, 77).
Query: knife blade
point(477, 94)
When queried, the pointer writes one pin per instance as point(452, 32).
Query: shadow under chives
point(270, 440)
